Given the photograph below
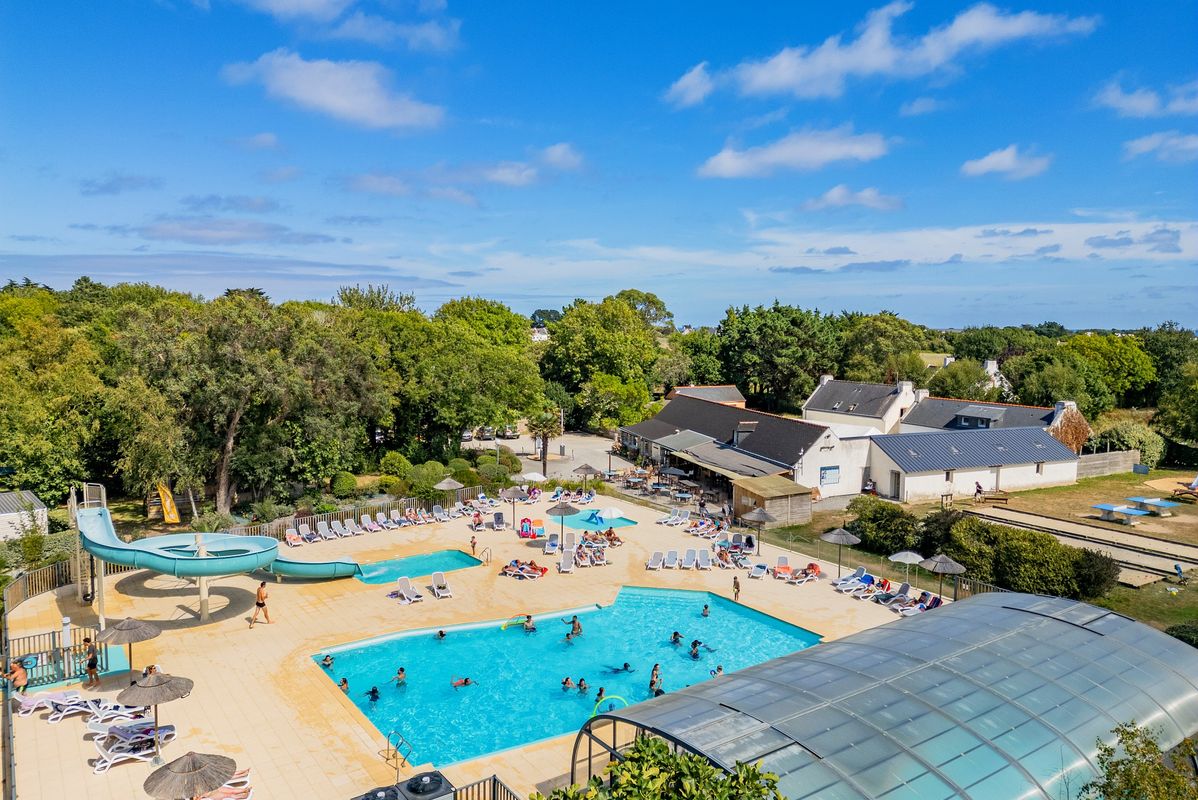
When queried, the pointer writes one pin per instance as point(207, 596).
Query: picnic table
point(1124, 515)
point(1154, 505)
point(683, 496)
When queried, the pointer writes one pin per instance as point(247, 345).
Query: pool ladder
point(397, 752)
point(485, 555)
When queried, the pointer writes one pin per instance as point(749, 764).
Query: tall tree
point(1135, 768)
point(490, 319)
point(1170, 347)
point(870, 342)
point(543, 425)
point(608, 337)
point(702, 347)
point(651, 308)
point(775, 354)
point(963, 379)
point(1120, 360)
point(375, 298)
point(1178, 415)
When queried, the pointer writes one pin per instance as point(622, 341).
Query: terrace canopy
point(1000, 696)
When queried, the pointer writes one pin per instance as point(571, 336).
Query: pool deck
point(261, 700)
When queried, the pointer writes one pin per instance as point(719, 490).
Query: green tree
point(1130, 435)
point(374, 298)
point(1135, 768)
point(702, 348)
point(543, 317)
point(491, 320)
point(963, 379)
point(543, 425)
point(651, 770)
point(672, 368)
point(1120, 360)
point(871, 342)
point(906, 367)
point(606, 402)
point(776, 354)
point(651, 308)
point(1045, 377)
point(1171, 347)
point(883, 527)
point(1178, 415)
point(592, 338)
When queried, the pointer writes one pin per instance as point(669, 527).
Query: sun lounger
point(681, 519)
point(307, 534)
point(126, 731)
point(487, 501)
point(737, 543)
point(404, 592)
point(852, 586)
point(29, 703)
point(886, 598)
point(425, 517)
point(97, 709)
point(811, 573)
point(113, 751)
point(689, 559)
point(569, 542)
point(1124, 515)
point(586, 498)
point(599, 557)
point(704, 559)
point(783, 570)
point(582, 557)
point(759, 571)
point(566, 564)
point(339, 528)
point(498, 522)
point(458, 510)
point(384, 522)
point(353, 527)
point(441, 586)
point(655, 560)
point(324, 530)
point(292, 538)
point(855, 576)
point(439, 514)
point(556, 496)
point(669, 518)
point(551, 545)
point(370, 524)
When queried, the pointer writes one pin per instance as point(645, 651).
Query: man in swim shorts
point(575, 626)
point(706, 611)
point(718, 671)
point(93, 662)
point(260, 605)
point(529, 625)
point(401, 677)
point(459, 682)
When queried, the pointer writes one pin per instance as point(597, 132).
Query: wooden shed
point(786, 501)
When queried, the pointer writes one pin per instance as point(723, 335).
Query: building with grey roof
point(876, 405)
point(727, 394)
point(948, 414)
point(1000, 696)
point(20, 510)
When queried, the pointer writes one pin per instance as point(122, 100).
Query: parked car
point(486, 434)
point(509, 432)
point(467, 435)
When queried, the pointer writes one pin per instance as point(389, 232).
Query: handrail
point(485, 555)
point(391, 753)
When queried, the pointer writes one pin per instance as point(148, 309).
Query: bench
point(1124, 515)
point(1153, 505)
point(995, 497)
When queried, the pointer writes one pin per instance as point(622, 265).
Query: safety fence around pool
point(491, 788)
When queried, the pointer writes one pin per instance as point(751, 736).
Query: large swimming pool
point(414, 566)
point(518, 698)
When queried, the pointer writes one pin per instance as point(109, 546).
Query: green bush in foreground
point(1186, 631)
point(650, 771)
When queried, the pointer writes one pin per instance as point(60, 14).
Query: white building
point(879, 406)
point(20, 509)
point(911, 467)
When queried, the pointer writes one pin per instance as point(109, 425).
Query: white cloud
point(281, 174)
point(510, 173)
point(453, 194)
point(432, 36)
point(378, 183)
point(1008, 162)
point(692, 88)
point(259, 141)
point(822, 71)
point(841, 195)
point(230, 202)
point(920, 106)
point(207, 230)
point(803, 150)
point(319, 10)
point(353, 91)
point(562, 156)
point(1183, 99)
point(1172, 147)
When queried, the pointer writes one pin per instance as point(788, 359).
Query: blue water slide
point(340, 568)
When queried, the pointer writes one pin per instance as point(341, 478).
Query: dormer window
point(836, 405)
point(852, 406)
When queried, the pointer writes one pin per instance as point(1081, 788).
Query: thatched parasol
point(193, 775)
point(127, 632)
point(152, 690)
point(839, 537)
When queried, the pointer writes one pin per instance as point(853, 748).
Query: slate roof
point(776, 438)
point(851, 397)
point(928, 452)
point(939, 412)
point(16, 502)
point(718, 394)
point(730, 459)
point(683, 439)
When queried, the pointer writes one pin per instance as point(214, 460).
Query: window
point(1039, 467)
point(829, 476)
point(948, 475)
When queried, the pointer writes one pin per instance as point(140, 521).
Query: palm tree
point(545, 425)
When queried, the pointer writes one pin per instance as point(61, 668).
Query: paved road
point(580, 448)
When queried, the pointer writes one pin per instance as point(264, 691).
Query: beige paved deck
point(260, 699)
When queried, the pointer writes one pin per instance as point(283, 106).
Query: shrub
point(1033, 562)
point(458, 464)
point(935, 529)
point(883, 527)
point(1131, 435)
point(1186, 631)
point(393, 485)
point(493, 473)
point(426, 475)
point(1095, 574)
point(970, 545)
point(467, 477)
point(344, 484)
point(394, 463)
point(268, 510)
point(324, 507)
point(212, 522)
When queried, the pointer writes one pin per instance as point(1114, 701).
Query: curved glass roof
point(998, 697)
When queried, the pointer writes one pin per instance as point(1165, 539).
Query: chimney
point(905, 386)
point(743, 429)
point(990, 365)
point(823, 379)
point(949, 359)
point(921, 394)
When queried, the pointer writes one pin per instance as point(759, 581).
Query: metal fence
point(48, 578)
point(491, 788)
point(52, 657)
point(964, 587)
point(8, 787)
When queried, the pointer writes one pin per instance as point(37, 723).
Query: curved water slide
point(178, 554)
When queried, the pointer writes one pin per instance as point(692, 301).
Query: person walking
point(736, 588)
point(93, 663)
point(260, 605)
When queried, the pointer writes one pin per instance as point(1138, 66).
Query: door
point(895, 478)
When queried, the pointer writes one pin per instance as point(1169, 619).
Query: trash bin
point(561, 450)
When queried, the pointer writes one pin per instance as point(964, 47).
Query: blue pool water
point(415, 566)
point(518, 698)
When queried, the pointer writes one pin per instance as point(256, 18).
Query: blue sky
point(956, 163)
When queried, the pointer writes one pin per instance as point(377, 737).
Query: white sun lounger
point(127, 731)
point(582, 558)
point(759, 571)
point(681, 519)
point(856, 575)
point(370, 525)
point(599, 557)
point(353, 527)
point(551, 545)
point(689, 558)
point(671, 561)
point(667, 519)
point(441, 586)
point(566, 564)
point(439, 514)
point(498, 522)
point(325, 532)
point(306, 533)
point(339, 528)
point(655, 560)
point(98, 710)
point(383, 522)
point(405, 592)
point(292, 538)
point(399, 519)
point(113, 750)
point(570, 542)
point(704, 559)
point(29, 703)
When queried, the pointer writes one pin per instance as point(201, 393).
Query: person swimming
point(344, 685)
point(599, 695)
point(616, 670)
point(569, 638)
point(582, 686)
point(529, 625)
point(327, 662)
point(401, 677)
point(439, 635)
point(706, 611)
point(373, 694)
point(718, 671)
point(676, 638)
point(459, 682)
point(567, 683)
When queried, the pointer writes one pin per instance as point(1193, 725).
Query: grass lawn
point(1154, 604)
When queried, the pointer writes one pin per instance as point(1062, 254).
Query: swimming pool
point(414, 566)
point(518, 698)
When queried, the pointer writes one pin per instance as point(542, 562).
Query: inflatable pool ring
point(605, 699)
point(518, 618)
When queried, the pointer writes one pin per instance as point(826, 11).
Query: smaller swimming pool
point(416, 566)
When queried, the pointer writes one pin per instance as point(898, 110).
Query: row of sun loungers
point(407, 594)
point(691, 559)
point(340, 529)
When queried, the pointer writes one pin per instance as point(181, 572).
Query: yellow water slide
point(170, 512)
